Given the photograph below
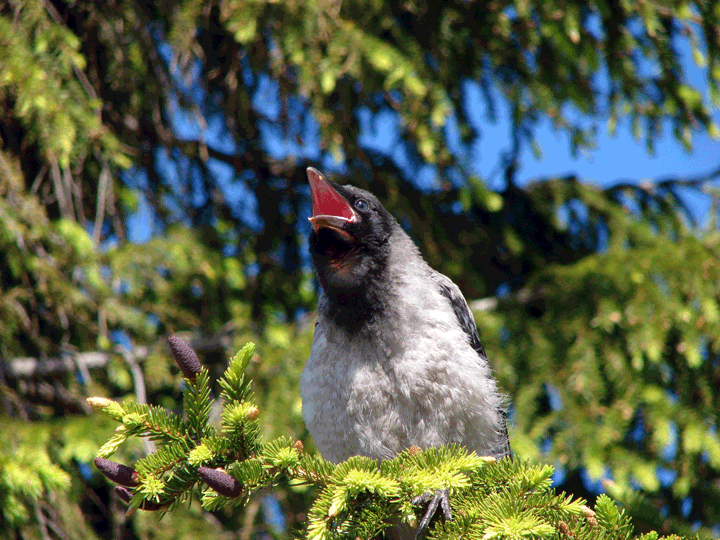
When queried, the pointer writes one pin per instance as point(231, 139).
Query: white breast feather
point(416, 383)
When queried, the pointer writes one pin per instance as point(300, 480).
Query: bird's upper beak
point(330, 209)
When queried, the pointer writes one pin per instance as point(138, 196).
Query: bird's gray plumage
point(467, 322)
point(396, 360)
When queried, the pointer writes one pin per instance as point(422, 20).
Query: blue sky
point(617, 157)
point(621, 157)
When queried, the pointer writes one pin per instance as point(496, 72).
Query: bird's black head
point(350, 238)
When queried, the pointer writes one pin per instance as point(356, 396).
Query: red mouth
point(328, 206)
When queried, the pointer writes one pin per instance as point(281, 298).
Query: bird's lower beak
point(331, 222)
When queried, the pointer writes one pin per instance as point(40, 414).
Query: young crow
point(396, 360)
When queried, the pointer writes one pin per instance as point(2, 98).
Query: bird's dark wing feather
point(461, 309)
point(467, 323)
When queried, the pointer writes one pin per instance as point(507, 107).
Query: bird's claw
point(440, 498)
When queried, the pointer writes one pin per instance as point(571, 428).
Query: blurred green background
point(152, 181)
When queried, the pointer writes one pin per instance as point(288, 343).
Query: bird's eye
point(361, 205)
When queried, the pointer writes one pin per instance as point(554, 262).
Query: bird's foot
point(440, 498)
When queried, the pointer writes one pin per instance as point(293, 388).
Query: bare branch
point(59, 189)
point(28, 367)
point(101, 199)
point(80, 74)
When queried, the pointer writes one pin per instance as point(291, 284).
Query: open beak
point(330, 209)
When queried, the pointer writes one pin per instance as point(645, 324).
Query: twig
point(250, 513)
point(39, 178)
point(41, 521)
point(80, 74)
point(59, 190)
point(140, 390)
point(101, 198)
point(29, 367)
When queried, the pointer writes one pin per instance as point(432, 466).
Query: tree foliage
point(200, 117)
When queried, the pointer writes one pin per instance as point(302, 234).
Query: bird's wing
point(467, 323)
point(461, 309)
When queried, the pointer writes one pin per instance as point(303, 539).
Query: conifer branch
point(358, 498)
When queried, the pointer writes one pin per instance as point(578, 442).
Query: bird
point(396, 360)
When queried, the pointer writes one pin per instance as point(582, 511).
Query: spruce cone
point(220, 481)
point(185, 357)
point(120, 474)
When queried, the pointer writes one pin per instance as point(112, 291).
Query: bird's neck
point(358, 309)
point(359, 306)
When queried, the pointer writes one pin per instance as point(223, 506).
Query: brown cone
point(220, 481)
point(185, 357)
point(120, 474)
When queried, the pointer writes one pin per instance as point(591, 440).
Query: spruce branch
point(198, 404)
point(126, 495)
point(159, 424)
point(358, 498)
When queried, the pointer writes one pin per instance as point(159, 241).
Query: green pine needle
point(359, 498)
